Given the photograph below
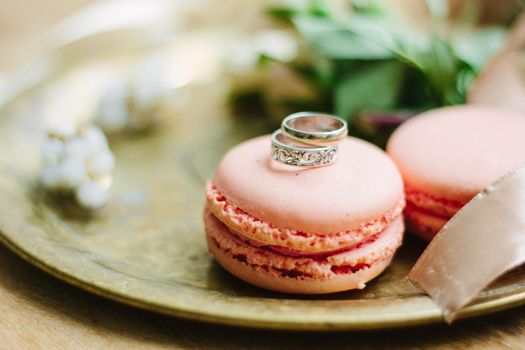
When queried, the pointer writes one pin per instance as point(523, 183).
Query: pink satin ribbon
point(485, 239)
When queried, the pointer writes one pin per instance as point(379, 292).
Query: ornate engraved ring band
point(289, 152)
point(316, 129)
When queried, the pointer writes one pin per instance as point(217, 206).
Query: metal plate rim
point(413, 320)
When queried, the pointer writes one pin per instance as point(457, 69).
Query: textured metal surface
point(147, 246)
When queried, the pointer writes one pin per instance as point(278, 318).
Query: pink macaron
point(448, 155)
point(305, 230)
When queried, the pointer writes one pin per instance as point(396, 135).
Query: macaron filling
point(292, 241)
point(302, 253)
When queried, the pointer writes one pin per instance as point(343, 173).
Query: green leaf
point(319, 8)
point(464, 80)
point(369, 6)
point(287, 10)
point(334, 40)
point(281, 13)
point(476, 47)
point(375, 86)
point(440, 67)
point(438, 9)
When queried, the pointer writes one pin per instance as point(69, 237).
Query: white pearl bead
point(72, 172)
point(77, 147)
point(92, 195)
point(96, 138)
point(52, 150)
point(102, 164)
point(50, 176)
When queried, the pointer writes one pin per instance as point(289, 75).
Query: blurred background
point(24, 22)
point(375, 63)
point(24, 25)
point(281, 56)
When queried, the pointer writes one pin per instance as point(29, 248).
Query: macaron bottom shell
point(423, 224)
point(319, 274)
point(425, 214)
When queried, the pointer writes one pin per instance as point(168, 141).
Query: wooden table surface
point(40, 312)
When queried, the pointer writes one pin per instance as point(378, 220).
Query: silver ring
point(316, 129)
point(289, 152)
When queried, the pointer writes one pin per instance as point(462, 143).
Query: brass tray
point(147, 248)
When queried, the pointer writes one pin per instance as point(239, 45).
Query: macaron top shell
point(360, 186)
point(455, 152)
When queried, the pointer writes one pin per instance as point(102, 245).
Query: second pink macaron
point(296, 230)
point(448, 155)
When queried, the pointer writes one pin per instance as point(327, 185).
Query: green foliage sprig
point(365, 59)
point(366, 65)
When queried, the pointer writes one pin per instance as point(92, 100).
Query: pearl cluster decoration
point(78, 161)
point(136, 102)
